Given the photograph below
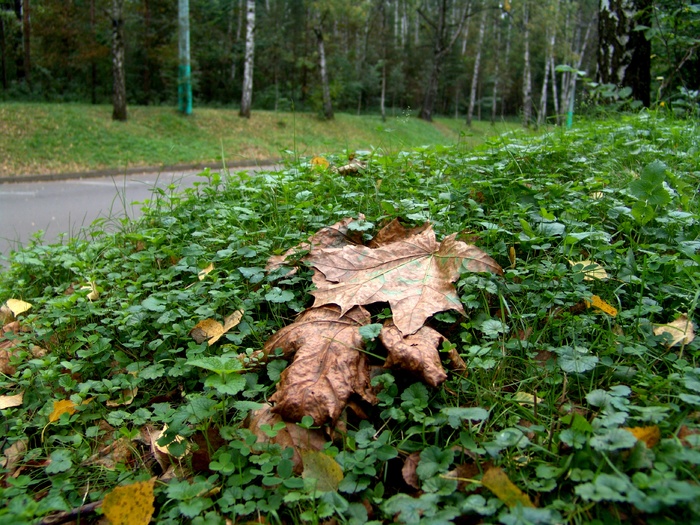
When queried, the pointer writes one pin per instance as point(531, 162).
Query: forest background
point(469, 59)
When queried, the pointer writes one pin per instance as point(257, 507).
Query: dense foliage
point(368, 43)
point(574, 389)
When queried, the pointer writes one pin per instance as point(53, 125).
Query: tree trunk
point(119, 89)
point(93, 62)
point(497, 70)
point(624, 55)
point(247, 95)
point(327, 103)
point(542, 114)
point(527, 74)
point(146, 51)
point(184, 77)
point(3, 55)
point(475, 74)
point(26, 42)
point(442, 44)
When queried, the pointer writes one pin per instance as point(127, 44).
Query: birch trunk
point(119, 81)
point(527, 74)
point(497, 72)
point(475, 74)
point(247, 96)
point(542, 114)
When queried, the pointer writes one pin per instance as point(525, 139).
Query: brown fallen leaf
point(504, 489)
point(681, 331)
point(335, 236)
point(414, 276)
point(408, 471)
point(13, 454)
point(394, 231)
point(126, 397)
point(328, 365)
point(416, 353)
point(11, 401)
point(351, 168)
point(212, 330)
point(291, 436)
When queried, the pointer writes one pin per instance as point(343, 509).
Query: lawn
point(434, 335)
point(58, 138)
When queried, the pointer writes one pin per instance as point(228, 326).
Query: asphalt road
point(61, 209)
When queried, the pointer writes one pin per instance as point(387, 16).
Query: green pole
point(570, 111)
point(184, 76)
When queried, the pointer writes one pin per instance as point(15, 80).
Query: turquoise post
point(184, 76)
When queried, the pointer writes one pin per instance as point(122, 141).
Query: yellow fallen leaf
point(596, 195)
point(17, 306)
point(649, 435)
point(320, 161)
point(681, 330)
point(165, 449)
point(212, 330)
point(323, 468)
point(511, 256)
point(598, 303)
point(94, 293)
point(504, 489)
point(130, 504)
point(203, 273)
point(64, 406)
point(11, 401)
point(126, 397)
point(591, 270)
point(525, 398)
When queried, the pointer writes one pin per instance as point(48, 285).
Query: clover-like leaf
point(413, 275)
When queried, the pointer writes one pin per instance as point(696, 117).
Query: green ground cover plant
point(56, 138)
point(577, 401)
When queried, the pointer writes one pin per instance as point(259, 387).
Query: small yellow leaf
point(130, 504)
point(504, 489)
point(203, 273)
point(64, 406)
point(11, 401)
point(320, 161)
point(680, 330)
point(212, 330)
point(598, 303)
point(126, 397)
point(511, 256)
point(94, 293)
point(165, 449)
point(649, 435)
point(596, 195)
point(591, 270)
point(525, 398)
point(323, 468)
point(17, 306)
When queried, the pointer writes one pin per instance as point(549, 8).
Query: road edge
point(112, 172)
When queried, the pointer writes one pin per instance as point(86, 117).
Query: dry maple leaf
point(328, 365)
point(335, 236)
point(291, 436)
point(680, 330)
point(414, 275)
point(416, 353)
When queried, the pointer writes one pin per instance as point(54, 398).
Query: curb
point(112, 172)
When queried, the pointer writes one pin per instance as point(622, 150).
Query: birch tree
point(118, 76)
point(477, 61)
point(527, 73)
point(247, 95)
point(325, 86)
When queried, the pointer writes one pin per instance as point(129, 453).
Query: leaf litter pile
point(537, 366)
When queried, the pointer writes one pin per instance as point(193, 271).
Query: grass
point(578, 406)
point(56, 138)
